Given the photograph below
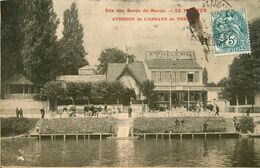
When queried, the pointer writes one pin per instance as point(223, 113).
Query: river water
point(149, 152)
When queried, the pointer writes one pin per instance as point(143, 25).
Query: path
point(124, 125)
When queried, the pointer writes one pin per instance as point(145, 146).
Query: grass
point(16, 126)
point(190, 125)
point(77, 125)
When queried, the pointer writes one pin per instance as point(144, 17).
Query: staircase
point(123, 129)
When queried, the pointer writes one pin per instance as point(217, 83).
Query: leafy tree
point(117, 90)
point(222, 82)
point(39, 44)
point(244, 73)
point(72, 52)
point(86, 90)
point(211, 84)
point(147, 88)
point(255, 46)
point(102, 89)
point(112, 55)
point(54, 90)
point(73, 90)
point(12, 16)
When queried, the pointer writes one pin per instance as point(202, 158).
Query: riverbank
point(77, 125)
point(94, 125)
point(180, 125)
point(14, 126)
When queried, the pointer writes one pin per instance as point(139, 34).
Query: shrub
point(246, 124)
point(77, 125)
point(191, 124)
point(15, 126)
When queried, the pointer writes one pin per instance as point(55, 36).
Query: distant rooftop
point(87, 67)
point(137, 68)
point(87, 70)
point(172, 64)
point(81, 78)
point(18, 79)
point(173, 55)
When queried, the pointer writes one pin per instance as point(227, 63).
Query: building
point(18, 87)
point(85, 74)
point(177, 76)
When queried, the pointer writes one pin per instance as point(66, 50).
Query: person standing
point(17, 113)
point(130, 112)
point(217, 111)
point(42, 113)
point(21, 112)
point(247, 112)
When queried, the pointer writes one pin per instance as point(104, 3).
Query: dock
point(188, 135)
point(102, 136)
point(88, 136)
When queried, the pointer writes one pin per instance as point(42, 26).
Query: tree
point(86, 90)
point(211, 84)
point(39, 51)
point(72, 52)
point(112, 55)
point(12, 16)
point(117, 90)
point(222, 82)
point(73, 90)
point(147, 88)
point(102, 89)
point(240, 82)
point(54, 90)
point(244, 73)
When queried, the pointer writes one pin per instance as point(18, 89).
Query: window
point(182, 76)
point(190, 77)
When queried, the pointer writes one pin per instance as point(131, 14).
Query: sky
point(101, 32)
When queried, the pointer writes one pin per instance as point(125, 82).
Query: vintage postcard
point(137, 83)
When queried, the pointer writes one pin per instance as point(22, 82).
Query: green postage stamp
point(230, 32)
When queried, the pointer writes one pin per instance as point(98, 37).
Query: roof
point(114, 70)
point(172, 64)
point(18, 79)
point(87, 67)
point(81, 78)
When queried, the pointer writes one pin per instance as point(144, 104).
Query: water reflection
point(149, 152)
point(125, 151)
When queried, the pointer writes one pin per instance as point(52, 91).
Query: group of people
point(92, 110)
point(72, 110)
point(19, 112)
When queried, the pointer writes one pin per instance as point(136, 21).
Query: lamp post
point(170, 91)
point(189, 88)
point(188, 96)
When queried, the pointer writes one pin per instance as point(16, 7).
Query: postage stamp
point(230, 32)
